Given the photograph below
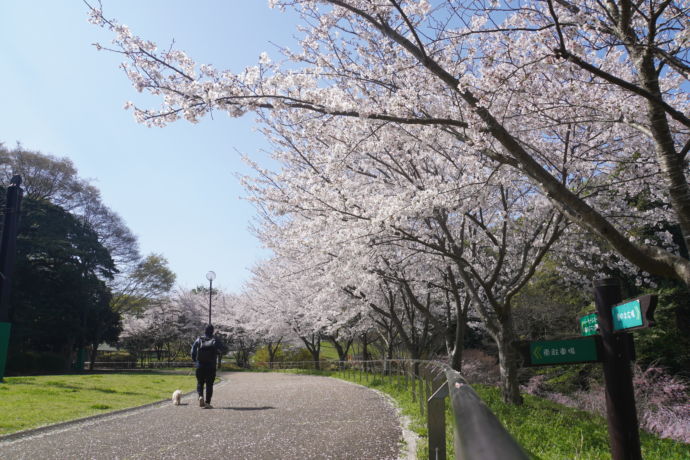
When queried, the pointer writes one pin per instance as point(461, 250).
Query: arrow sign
point(570, 351)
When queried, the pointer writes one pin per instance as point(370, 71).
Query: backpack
point(207, 350)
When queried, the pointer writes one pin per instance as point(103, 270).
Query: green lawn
point(328, 351)
point(29, 402)
point(546, 430)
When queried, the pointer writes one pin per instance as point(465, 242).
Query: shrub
point(479, 367)
point(297, 354)
point(284, 355)
point(114, 357)
point(261, 355)
point(662, 401)
point(33, 362)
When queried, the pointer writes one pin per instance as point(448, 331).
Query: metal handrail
point(478, 432)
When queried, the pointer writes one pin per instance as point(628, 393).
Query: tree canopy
point(78, 265)
point(432, 154)
point(59, 297)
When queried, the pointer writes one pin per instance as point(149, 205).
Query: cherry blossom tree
point(464, 133)
point(260, 302)
point(362, 200)
point(586, 100)
point(169, 326)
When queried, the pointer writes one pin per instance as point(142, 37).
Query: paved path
point(256, 416)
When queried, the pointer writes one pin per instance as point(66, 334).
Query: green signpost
point(589, 324)
point(627, 316)
point(570, 351)
point(606, 340)
point(631, 314)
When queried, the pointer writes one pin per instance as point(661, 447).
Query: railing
point(121, 365)
point(478, 434)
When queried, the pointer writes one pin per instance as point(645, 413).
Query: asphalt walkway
point(255, 416)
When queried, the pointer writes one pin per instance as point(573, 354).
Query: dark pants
point(205, 375)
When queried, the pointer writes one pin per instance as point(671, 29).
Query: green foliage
point(548, 307)
point(33, 362)
point(262, 355)
point(668, 342)
point(116, 357)
point(328, 351)
point(284, 355)
point(29, 402)
point(59, 298)
point(296, 354)
point(147, 282)
point(567, 379)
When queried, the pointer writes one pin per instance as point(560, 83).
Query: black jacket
point(195, 350)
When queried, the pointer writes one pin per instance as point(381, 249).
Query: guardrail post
point(436, 423)
point(421, 393)
point(413, 387)
point(425, 383)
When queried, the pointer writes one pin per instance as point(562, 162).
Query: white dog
point(177, 394)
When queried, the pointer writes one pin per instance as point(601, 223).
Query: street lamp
point(210, 276)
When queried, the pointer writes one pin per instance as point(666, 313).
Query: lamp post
point(210, 276)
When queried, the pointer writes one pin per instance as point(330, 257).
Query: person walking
point(205, 352)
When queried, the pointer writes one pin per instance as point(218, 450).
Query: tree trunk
point(458, 345)
point(272, 352)
point(508, 362)
point(314, 347)
point(69, 354)
point(92, 354)
point(315, 358)
point(365, 350)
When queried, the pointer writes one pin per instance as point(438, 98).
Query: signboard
point(631, 314)
point(627, 315)
point(589, 324)
point(570, 351)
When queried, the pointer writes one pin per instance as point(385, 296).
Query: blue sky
point(175, 186)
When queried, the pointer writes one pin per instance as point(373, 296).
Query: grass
point(546, 430)
point(328, 351)
point(30, 402)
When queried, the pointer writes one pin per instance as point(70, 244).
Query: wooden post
point(421, 394)
point(617, 351)
point(436, 423)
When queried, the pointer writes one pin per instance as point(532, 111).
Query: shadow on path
point(246, 408)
